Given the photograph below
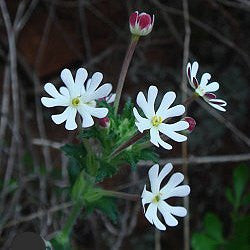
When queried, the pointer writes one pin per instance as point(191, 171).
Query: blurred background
point(39, 38)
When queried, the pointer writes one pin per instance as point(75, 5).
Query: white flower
point(204, 89)
point(158, 195)
point(77, 97)
point(155, 121)
point(110, 98)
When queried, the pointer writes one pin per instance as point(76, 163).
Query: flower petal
point(147, 197)
point(173, 112)
point(169, 130)
point(67, 78)
point(64, 91)
point(176, 210)
point(51, 90)
point(174, 180)
point(169, 219)
point(81, 76)
point(142, 103)
point(153, 177)
point(194, 69)
point(87, 120)
point(71, 119)
point(167, 101)
point(151, 215)
point(52, 102)
point(101, 92)
point(156, 139)
point(96, 112)
point(204, 80)
point(95, 81)
point(110, 98)
point(142, 123)
point(154, 136)
point(180, 191)
point(216, 106)
point(211, 87)
point(164, 172)
point(60, 118)
point(152, 94)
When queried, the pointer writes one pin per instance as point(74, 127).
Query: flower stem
point(190, 99)
point(124, 70)
point(63, 238)
point(121, 195)
point(126, 144)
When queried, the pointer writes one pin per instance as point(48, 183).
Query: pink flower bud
point(141, 24)
point(192, 123)
point(104, 122)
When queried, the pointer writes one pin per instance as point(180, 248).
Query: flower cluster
point(83, 96)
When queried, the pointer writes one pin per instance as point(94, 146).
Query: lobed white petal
point(99, 93)
point(147, 197)
point(143, 104)
point(204, 80)
point(151, 215)
point(174, 181)
point(211, 87)
point(87, 120)
point(67, 78)
point(153, 178)
point(164, 172)
point(166, 102)
point(164, 210)
point(194, 69)
point(173, 112)
point(180, 191)
point(81, 77)
point(95, 82)
point(152, 94)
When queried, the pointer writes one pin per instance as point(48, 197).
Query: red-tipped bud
point(104, 122)
point(192, 123)
point(141, 24)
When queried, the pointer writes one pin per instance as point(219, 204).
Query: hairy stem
point(126, 144)
point(124, 70)
point(121, 195)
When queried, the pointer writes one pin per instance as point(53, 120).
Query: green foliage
point(106, 205)
point(96, 158)
point(211, 237)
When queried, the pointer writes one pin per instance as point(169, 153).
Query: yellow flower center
point(156, 199)
point(75, 102)
point(156, 120)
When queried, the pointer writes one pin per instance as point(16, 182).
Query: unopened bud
point(104, 122)
point(141, 24)
point(192, 123)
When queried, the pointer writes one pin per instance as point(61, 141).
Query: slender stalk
point(77, 207)
point(121, 195)
point(126, 144)
point(124, 70)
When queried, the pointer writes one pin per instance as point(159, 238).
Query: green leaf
point(229, 195)
point(240, 178)
point(201, 241)
point(78, 189)
point(76, 152)
point(240, 239)
point(213, 227)
point(106, 205)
